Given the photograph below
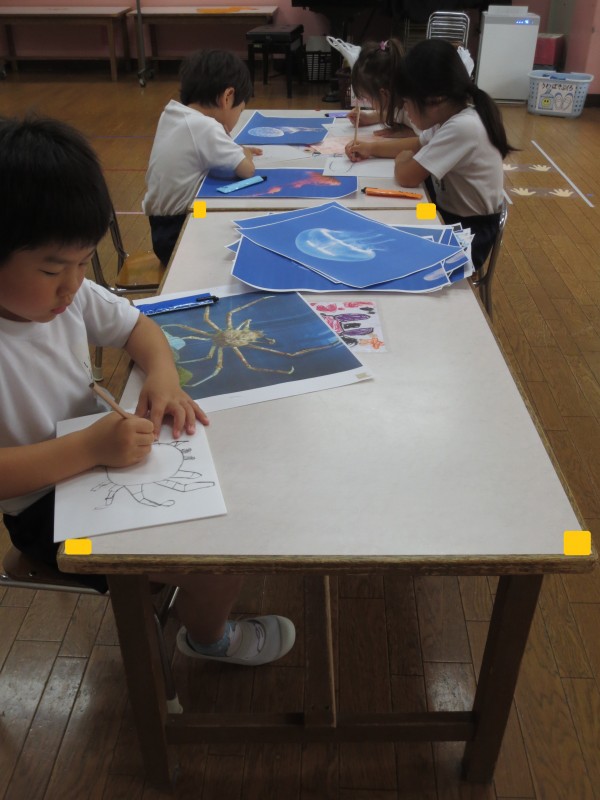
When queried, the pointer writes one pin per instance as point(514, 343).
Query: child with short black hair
point(193, 138)
point(55, 208)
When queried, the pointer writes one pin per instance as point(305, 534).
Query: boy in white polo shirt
point(193, 138)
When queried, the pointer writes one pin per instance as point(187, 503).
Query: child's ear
point(227, 98)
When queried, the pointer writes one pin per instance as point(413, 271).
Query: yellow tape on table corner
point(78, 547)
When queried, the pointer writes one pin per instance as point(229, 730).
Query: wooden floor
point(65, 726)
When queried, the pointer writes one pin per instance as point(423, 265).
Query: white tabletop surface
point(436, 456)
point(356, 200)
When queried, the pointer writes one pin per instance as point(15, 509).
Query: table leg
point(319, 703)
point(10, 48)
point(134, 615)
point(153, 58)
point(265, 55)
point(126, 49)
point(112, 53)
point(514, 607)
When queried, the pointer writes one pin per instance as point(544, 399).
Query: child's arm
point(366, 117)
point(407, 171)
point(112, 442)
point(246, 169)
point(387, 148)
point(161, 393)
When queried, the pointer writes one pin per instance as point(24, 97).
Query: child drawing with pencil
point(193, 139)
point(462, 145)
point(56, 208)
point(371, 73)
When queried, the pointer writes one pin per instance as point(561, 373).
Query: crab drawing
point(161, 468)
point(231, 337)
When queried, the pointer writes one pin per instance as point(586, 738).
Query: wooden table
point(202, 14)
point(112, 18)
point(453, 479)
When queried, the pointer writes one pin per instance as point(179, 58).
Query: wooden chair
point(20, 571)
point(483, 277)
point(137, 273)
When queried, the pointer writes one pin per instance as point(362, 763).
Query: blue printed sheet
point(261, 129)
point(348, 248)
point(265, 269)
point(280, 183)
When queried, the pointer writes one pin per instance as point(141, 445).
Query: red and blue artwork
point(285, 183)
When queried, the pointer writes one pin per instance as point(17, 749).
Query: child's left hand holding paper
point(162, 396)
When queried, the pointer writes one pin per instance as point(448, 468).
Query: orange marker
point(374, 192)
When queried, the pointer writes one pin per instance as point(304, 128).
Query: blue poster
point(349, 248)
point(261, 129)
point(280, 183)
point(250, 341)
point(266, 270)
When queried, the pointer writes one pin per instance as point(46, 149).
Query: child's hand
point(249, 152)
point(365, 118)
point(161, 397)
point(359, 151)
point(117, 442)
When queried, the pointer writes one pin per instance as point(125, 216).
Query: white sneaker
point(259, 640)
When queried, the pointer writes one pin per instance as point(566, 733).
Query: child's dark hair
point(374, 71)
point(52, 189)
point(433, 70)
point(206, 74)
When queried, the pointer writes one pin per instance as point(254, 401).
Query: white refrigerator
point(506, 51)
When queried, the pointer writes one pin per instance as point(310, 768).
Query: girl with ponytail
point(371, 83)
point(462, 144)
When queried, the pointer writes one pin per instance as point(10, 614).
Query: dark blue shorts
point(484, 228)
point(32, 532)
point(165, 232)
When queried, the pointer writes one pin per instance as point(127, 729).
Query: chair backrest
point(136, 273)
point(484, 281)
point(450, 25)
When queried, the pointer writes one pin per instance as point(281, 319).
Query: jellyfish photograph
point(340, 245)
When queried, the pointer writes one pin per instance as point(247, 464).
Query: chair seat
point(23, 569)
point(140, 271)
point(275, 33)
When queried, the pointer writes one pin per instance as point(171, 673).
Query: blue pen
point(178, 304)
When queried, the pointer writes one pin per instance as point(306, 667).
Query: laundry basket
point(559, 94)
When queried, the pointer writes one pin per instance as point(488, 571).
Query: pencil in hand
point(356, 119)
point(108, 399)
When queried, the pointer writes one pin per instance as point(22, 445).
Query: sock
point(221, 647)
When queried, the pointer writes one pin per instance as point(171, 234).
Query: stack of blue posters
point(333, 249)
point(283, 130)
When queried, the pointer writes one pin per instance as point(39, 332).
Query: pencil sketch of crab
point(163, 467)
point(232, 337)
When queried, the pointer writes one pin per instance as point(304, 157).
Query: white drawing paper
point(369, 168)
point(176, 482)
